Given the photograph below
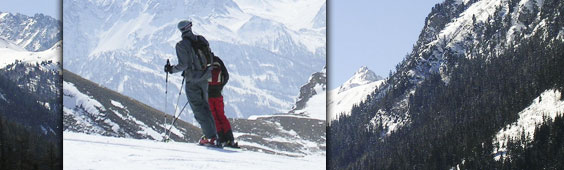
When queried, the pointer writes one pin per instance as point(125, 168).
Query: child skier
point(219, 78)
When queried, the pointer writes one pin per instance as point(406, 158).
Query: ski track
point(83, 151)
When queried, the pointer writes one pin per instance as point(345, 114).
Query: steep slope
point(546, 107)
point(475, 67)
point(312, 99)
point(263, 55)
point(91, 152)
point(352, 92)
point(37, 33)
point(37, 113)
point(89, 108)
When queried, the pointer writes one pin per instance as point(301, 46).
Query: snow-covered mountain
point(352, 92)
point(35, 73)
point(30, 92)
point(83, 151)
point(269, 48)
point(475, 76)
point(37, 33)
point(458, 28)
point(312, 99)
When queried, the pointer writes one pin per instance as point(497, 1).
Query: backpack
point(202, 49)
point(217, 77)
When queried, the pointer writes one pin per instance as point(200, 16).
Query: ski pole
point(166, 94)
point(179, 93)
point(176, 118)
point(167, 132)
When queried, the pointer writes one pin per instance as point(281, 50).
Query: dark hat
point(185, 25)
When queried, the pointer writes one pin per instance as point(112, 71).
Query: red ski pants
point(216, 107)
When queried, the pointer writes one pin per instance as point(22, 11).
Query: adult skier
point(194, 58)
point(219, 78)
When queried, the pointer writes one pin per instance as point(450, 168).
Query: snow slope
point(316, 106)
point(352, 92)
point(89, 108)
point(296, 14)
point(548, 105)
point(10, 52)
point(83, 151)
point(312, 101)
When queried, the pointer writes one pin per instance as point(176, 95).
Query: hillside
point(473, 77)
point(30, 92)
point(92, 109)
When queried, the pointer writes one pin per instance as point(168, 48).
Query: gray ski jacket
point(189, 62)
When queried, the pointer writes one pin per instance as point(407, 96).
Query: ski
point(223, 147)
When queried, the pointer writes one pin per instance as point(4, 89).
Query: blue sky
point(31, 7)
point(376, 34)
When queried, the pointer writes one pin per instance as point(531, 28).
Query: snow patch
point(548, 104)
point(2, 97)
point(316, 106)
point(73, 98)
point(115, 37)
point(117, 104)
point(295, 14)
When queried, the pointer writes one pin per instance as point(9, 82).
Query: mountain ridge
point(354, 91)
point(36, 33)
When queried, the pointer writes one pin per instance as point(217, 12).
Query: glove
point(168, 68)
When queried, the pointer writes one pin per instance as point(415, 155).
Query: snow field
point(82, 151)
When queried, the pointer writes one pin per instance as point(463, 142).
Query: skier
point(219, 78)
point(194, 58)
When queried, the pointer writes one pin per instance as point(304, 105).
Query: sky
point(376, 34)
point(31, 7)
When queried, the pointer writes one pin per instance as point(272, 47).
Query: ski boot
point(230, 140)
point(231, 144)
point(209, 142)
